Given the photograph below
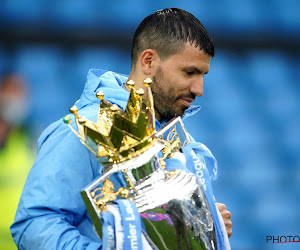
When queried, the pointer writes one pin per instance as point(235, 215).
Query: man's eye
point(189, 73)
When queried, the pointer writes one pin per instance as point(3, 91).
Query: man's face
point(178, 80)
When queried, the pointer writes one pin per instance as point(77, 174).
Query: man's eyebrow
point(199, 71)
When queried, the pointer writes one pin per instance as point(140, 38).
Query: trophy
point(172, 204)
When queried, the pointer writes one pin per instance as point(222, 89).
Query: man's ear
point(149, 60)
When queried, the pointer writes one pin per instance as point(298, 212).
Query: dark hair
point(167, 31)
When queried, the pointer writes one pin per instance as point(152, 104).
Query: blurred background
point(250, 116)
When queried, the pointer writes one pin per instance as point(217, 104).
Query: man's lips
point(186, 101)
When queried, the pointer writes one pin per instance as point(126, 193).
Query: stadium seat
point(44, 67)
point(22, 12)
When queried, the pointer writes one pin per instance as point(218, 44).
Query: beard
point(164, 96)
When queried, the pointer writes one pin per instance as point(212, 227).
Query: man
point(170, 46)
point(16, 158)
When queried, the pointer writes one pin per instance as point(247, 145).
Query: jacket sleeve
point(51, 208)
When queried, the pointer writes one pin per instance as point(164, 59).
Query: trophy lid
point(118, 135)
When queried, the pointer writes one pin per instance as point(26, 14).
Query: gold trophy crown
point(118, 135)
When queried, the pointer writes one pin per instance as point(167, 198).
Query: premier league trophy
point(173, 207)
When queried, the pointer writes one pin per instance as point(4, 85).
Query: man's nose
point(197, 87)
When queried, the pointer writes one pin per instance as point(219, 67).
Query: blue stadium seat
point(277, 211)
point(283, 105)
point(294, 66)
point(243, 17)
point(226, 100)
point(22, 12)
point(94, 14)
point(274, 84)
point(259, 169)
point(268, 69)
point(200, 126)
point(108, 58)
point(44, 68)
point(73, 14)
point(211, 14)
point(246, 136)
point(290, 138)
point(3, 60)
point(126, 15)
point(40, 60)
point(287, 16)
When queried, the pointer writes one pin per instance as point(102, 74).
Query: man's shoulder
point(60, 131)
point(107, 75)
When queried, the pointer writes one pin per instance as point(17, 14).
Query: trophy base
point(176, 214)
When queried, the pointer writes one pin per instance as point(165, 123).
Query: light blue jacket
point(51, 213)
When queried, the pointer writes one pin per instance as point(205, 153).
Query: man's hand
point(226, 215)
